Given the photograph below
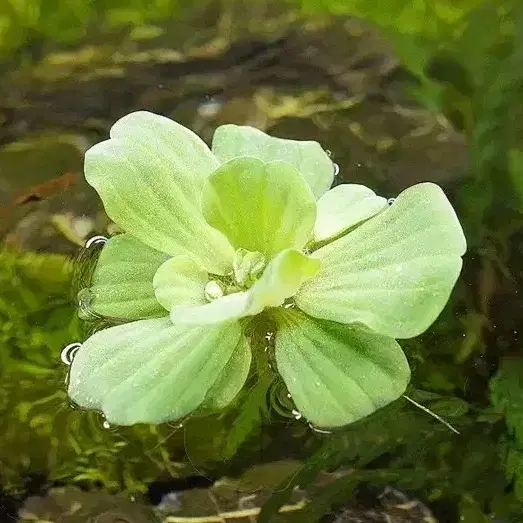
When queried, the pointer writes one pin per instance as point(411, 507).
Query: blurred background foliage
point(460, 66)
point(24, 23)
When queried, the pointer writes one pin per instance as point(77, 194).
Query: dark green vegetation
point(449, 110)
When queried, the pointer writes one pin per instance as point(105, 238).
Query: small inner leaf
point(247, 266)
point(180, 281)
point(281, 279)
point(343, 207)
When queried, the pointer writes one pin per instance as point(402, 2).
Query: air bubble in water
point(95, 240)
point(279, 401)
point(329, 153)
point(85, 301)
point(68, 353)
point(106, 425)
point(390, 201)
point(297, 414)
point(336, 169)
point(318, 430)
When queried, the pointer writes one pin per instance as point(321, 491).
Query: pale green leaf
point(231, 379)
point(122, 283)
point(343, 207)
point(395, 272)
point(337, 374)
point(264, 207)
point(180, 281)
point(149, 176)
point(232, 141)
point(280, 280)
point(150, 371)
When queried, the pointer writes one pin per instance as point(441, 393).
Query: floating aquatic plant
point(214, 239)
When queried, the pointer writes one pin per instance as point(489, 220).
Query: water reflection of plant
point(40, 431)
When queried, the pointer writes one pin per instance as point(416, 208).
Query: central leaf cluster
point(247, 268)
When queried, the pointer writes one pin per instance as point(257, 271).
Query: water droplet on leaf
point(213, 290)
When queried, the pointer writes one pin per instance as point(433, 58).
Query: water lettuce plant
point(218, 238)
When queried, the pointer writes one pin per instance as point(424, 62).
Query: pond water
point(332, 79)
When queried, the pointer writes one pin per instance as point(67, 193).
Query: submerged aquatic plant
point(216, 237)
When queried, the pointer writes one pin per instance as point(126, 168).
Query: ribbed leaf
point(394, 273)
point(150, 371)
point(122, 284)
point(149, 176)
point(337, 374)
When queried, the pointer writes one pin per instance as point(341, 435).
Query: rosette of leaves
point(214, 238)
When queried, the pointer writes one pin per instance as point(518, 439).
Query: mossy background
point(399, 93)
